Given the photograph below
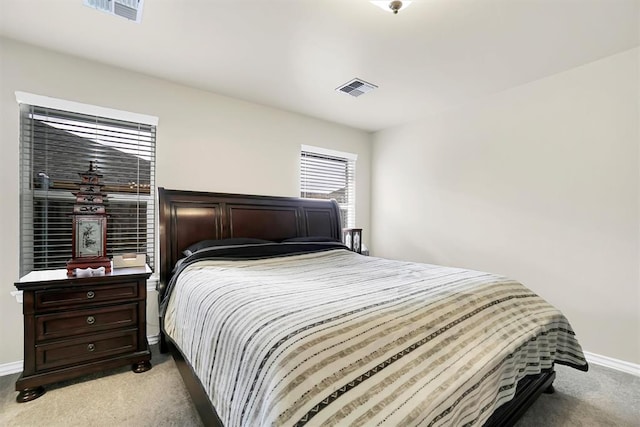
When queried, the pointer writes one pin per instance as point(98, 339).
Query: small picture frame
point(352, 238)
point(90, 236)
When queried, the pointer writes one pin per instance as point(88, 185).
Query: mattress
point(328, 337)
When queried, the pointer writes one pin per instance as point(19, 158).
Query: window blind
point(330, 175)
point(54, 146)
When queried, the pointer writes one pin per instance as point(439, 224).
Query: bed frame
point(187, 217)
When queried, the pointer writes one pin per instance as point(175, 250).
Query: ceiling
point(292, 54)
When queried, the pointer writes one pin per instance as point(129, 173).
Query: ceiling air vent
point(130, 9)
point(356, 87)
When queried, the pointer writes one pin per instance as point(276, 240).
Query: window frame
point(31, 195)
point(350, 159)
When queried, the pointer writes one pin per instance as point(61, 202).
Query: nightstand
point(76, 326)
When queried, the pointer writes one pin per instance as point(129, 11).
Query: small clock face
point(89, 234)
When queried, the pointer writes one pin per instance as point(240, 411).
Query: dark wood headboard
point(187, 217)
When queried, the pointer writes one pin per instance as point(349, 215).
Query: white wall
point(540, 183)
point(204, 142)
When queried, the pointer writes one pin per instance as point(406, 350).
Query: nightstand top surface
point(61, 274)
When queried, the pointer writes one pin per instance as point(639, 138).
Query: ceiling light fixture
point(392, 6)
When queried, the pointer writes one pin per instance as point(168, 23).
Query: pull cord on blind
point(327, 176)
point(54, 146)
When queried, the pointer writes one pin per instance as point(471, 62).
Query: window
point(328, 174)
point(56, 144)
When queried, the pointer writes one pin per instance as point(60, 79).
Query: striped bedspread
point(334, 338)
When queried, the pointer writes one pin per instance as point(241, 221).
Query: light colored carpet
point(600, 397)
point(157, 397)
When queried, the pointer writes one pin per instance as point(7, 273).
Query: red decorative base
point(95, 262)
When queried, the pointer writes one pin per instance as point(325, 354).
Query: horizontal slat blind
point(55, 146)
point(324, 176)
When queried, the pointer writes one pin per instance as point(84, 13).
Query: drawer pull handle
point(91, 320)
point(91, 294)
point(91, 347)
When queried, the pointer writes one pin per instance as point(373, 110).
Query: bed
point(272, 321)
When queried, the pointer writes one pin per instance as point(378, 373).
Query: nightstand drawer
point(85, 349)
point(79, 322)
point(87, 295)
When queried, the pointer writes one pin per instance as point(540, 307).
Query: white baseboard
point(15, 367)
point(609, 362)
point(10, 368)
point(153, 339)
